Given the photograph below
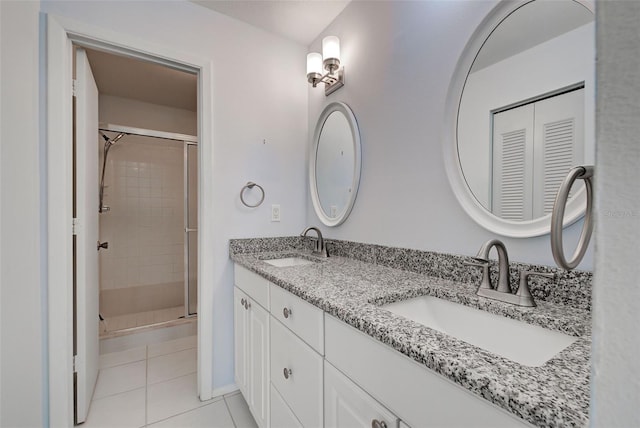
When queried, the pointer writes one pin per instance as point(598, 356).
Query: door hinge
point(75, 366)
point(74, 87)
point(74, 226)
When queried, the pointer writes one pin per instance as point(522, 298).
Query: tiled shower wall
point(143, 269)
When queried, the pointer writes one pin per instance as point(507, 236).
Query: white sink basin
point(288, 261)
point(526, 344)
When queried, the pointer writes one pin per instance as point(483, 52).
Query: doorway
point(135, 233)
point(61, 34)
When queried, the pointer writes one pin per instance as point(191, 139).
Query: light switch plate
point(275, 212)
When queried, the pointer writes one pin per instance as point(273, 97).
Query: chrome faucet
point(318, 248)
point(503, 265)
point(503, 292)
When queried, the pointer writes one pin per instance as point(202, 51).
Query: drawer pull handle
point(287, 373)
point(378, 424)
point(287, 312)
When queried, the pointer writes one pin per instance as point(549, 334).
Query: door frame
point(61, 34)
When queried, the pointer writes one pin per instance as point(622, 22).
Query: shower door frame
point(188, 230)
point(61, 34)
point(187, 140)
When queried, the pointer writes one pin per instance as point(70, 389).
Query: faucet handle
point(484, 264)
point(523, 290)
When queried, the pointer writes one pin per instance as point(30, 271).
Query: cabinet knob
point(247, 304)
point(287, 312)
point(287, 373)
point(242, 302)
point(378, 424)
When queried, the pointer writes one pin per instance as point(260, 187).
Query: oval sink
point(288, 261)
point(526, 344)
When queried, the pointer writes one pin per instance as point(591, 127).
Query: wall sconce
point(330, 61)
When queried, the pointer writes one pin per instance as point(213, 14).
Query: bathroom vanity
point(315, 346)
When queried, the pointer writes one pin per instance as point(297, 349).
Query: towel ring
point(557, 215)
point(250, 185)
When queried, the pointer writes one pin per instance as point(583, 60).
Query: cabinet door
point(258, 353)
point(240, 327)
point(281, 415)
point(347, 406)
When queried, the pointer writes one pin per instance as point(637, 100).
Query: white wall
point(515, 79)
point(128, 112)
point(399, 58)
point(247, 109)
point(23, 384)
point(616, 342)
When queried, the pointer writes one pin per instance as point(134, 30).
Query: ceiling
point(143, 81)
point(298, 20)
point(529, 26)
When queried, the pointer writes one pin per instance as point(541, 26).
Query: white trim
point(475, 210)
point(148, 132)
point(357, 156)
point(61, 32)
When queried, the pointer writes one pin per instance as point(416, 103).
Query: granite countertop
point(555, 394)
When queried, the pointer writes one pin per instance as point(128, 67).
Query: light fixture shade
point(314, 63)
point(331, 48)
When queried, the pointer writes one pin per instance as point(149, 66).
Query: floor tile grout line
point(115, 393)
point(174, 352)
point(123, 364)
point(214, 401)
point(173, 378)
point(233, 421)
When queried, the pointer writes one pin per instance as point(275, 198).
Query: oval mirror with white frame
point(521, 109)
point(334, 164)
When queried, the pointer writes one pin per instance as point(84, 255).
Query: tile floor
point(139, 319)
point(155, 386)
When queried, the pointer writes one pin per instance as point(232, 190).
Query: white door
point(558, 145)
point(86, 237)
point(513, 163)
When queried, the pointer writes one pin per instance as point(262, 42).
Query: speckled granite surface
point(555, 395)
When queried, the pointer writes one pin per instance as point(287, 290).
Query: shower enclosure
point(148, 228)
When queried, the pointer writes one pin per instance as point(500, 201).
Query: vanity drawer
point(296, 372)
point(253, 284)
point(304, 319)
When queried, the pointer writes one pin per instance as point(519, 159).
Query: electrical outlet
point(275, 212)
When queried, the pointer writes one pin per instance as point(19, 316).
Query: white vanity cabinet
point(416, 394)
point(251, 337)
point(346, 405)
point(299, 367)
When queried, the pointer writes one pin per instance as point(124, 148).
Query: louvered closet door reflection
point(558, 146)
point(513, 163)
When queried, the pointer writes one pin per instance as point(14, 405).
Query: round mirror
point(335, 164)
point(521, 106)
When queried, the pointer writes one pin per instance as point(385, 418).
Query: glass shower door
point(191, 228)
